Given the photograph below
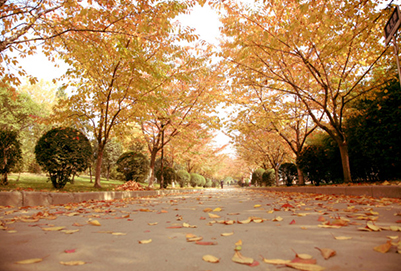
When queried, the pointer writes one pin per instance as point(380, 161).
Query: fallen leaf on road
point(305, 266)
point(278, 219)
point(73, 263)
point(145, 241)
point(69, 251)
point(292, 222)
point(207, 210)
point(384, 247)
point(70, 231)
point(206, 243)
point(152, 224)
point(257, 206)
point(94, 222)
point(218, 209)
point(246, 221)
point(239, 258)
point(210, 259)
point(227, 233)
point(194, 239)
point(30, 261)
point(118, 233)
point(213, 215)
point(53, 228)
point(276, 261)
point(327, 252)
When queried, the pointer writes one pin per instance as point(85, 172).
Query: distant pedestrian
point(221, 184)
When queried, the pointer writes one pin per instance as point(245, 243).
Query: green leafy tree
point(10, 153)
point(134, 166)
point(112, 152)
point(63, 152)
point(288, 173)
point(268, 178)
point(183, 177)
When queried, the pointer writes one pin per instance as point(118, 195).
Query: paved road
point(31, 232)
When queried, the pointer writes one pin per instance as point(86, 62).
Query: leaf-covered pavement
point(229, 229)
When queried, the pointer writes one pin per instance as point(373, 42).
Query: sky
point(203, 19)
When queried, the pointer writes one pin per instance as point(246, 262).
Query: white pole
point(396, 57)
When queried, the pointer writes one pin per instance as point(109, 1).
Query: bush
point(288, 173)
point(268, 178)
point(313, 162)
point(257, 176)
point(134, 166)
point(196, 179)
point(209, 182)
point(63, 152)
point(169, 176)
point(183, 177)
point(10, 153)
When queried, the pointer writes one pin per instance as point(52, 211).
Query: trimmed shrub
point(10, 153)
point(63, 152)
point(134, 166)
point(183, 177)
point(195, 180)
point(209, 182)
point(257, 176)
point(169, 176)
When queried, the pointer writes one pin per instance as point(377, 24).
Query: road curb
point(375, 191)
point(32, 198)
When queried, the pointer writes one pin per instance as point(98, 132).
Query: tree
point(257, 176)
point(10, 153)
point(112, 152)
point(319, 51)
point(134, 166)
point(196, 179)
point(112, 73)
point(288, 173)
point(63, 152)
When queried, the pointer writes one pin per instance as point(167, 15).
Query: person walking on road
point(221, 184)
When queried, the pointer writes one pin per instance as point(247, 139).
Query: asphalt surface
point(283, 225)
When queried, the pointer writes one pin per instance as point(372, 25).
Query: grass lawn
point(35, 182)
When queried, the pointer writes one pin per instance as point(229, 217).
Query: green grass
point(35, 182)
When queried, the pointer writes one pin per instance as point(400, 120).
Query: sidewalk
point(28, 198)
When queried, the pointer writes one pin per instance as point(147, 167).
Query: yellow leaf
point(210, 259)
point(342, 237)
point(395, 228)
point(227, 234)
point(279, 218)
point(246, 221)
point(186, 225)
point(384, 247)
point(53, 228)
point(327, 252)
point(373, 227)
point(145, 241)
point(258, 220)
point(73, 263)
point(190, 235)
point(213, 215)
point(194, 239)
point(94, 222)
point(152, 224)
point(257, 206)
point(270, 211)
point(239, 243)
point(305, 266)
point(218, 209)
point(239, 258)
point(304, 256)
point(207, 210)
point(276, 261)
point(118, 233)
point(29, 261)
point(69, 231)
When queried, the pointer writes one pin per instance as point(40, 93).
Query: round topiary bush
point(196, 179)
point(183, 177)
point(63, 152)
point(134, 166)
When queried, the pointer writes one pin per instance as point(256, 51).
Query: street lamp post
point(161, 160)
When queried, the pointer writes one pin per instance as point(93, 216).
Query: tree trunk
point(152, 167)
point(343, 146)
point(98, 168)
point(301, 179)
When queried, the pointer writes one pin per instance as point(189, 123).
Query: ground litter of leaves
point(214, 230)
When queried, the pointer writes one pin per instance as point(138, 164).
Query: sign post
point(390, 32)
